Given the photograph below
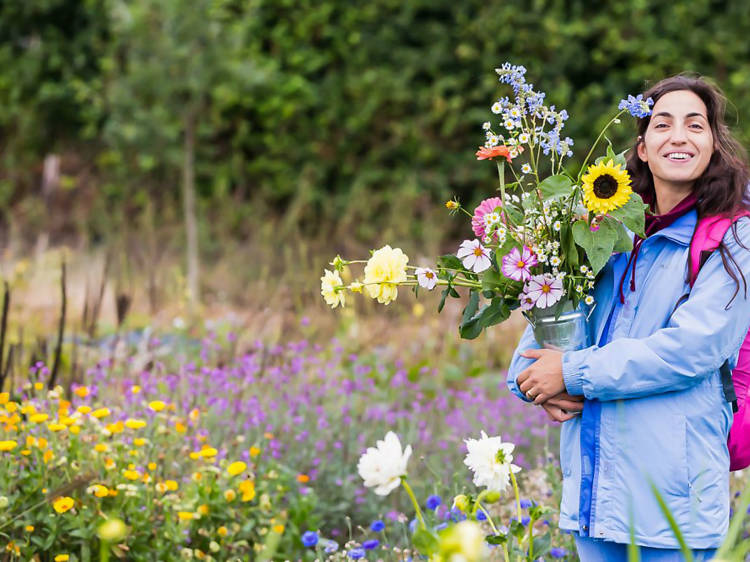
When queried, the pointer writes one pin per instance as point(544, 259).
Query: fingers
point(532, 353)
point(571, 397)
point(557, 414)
point(570, 405)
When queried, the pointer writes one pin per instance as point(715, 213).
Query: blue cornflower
point(371, 544)
point(637, 106)
point(413, 526)
point(377, 526)
point(557, 552)
point(356, 553)
point(481, 516)
point(331, 546)
point(456, 515)
point(310, 538)
point(433, 502)
point(525, 520)
point(525, 504)
point(441, 526)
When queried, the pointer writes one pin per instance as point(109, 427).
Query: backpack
point(708, 234)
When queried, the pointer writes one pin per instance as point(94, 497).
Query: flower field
point(220, 447)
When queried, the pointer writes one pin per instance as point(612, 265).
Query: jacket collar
point(680, 231)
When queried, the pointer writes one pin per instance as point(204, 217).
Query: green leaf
point(496, 539)
point(471, 307)
point(597, 245)
point(624, 242)
point(443, 295)
point(569, 249)
point(616, 158)
point(450, 261)
point(542, 545)
point(632, 214)
point(493, 313)
point(556, 186)
point(491, 281)
point(425, 542)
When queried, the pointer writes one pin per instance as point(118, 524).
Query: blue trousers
point(598, 550)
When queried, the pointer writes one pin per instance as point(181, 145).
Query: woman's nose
point(678, 134)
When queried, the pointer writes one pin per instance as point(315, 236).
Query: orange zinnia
point(485, 153)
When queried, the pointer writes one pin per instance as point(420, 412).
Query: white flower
point(589, 300)
point(526, 169)
point(545, 290)
point(523, 138)
point(579, 289)
point(554, 261)
point(492, 140)
point(556, 226)
point(328, 284)
point(486, 125)
point(487, 239)
point(584, 269)
point(383, 466)
point(474, 256)
point(590, 284)
point(426, 278)
point(491, 462)
point(515, 113)
point(491, 219)
point(496, 107)
point(509, 124)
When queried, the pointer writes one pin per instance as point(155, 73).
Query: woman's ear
point(640, 148)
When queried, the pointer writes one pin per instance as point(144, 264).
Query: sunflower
point(605, 187)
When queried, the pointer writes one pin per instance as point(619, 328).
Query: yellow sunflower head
point(605, 187)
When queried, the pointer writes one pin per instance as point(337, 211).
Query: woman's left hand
point(543, 379)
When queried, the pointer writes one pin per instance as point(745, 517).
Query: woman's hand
point(543, 379)
point(563, 407)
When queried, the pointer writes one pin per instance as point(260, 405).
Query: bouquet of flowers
point(540, 242)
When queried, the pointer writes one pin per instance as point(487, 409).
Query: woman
point(650, 398)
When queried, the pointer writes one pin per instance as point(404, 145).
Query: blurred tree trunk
point(188, 195)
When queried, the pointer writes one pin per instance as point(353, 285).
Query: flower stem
point(515, 490)
point(593, 146)
point(413, 501)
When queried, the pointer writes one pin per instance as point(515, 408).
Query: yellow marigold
point(100, 413)
point(146, 478)
point(171, 485)
point(208, 452)
point(109, 463)
point(161, 487)
point(26, 452)
point(135, 389)
point(131, 423)
point(384, 270)
point(98, 490)
point(230, 495)
point(151, 466)
point(254, 451)
point(157, 405)
point(13, 547)
point(112, 492)
point(185, 515)
point(4, 397)
point(38, 386)
point(11, 407)
point(101, 447)
point(115, 428)
point(41, 443)
point(28, 409)
point(54, 427)
point(38, 418)
point(194, 414)
point(278, 529)
point(62, 504)
point(8, 445)
point(194, 455)
point(29, 528)
point(62, 558)
point(197, 476)
point(131, 474)
point(222, 531)
point(236, 468)
point(180, 427)
point(83, 410)
point(139, 441)
point(81, 391)
point(48, 456)
point(75, 429)
point(303, 478)
point(247, 487)
point(203, 509)
point(67, 420)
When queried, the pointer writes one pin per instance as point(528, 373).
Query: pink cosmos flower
point(474, 256)
point(516, 264)
point(544, 289)
point(527, 303)
point(485, 207)
point(426, 278)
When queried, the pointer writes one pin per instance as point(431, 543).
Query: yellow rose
point(384, 270)
point(328, 284)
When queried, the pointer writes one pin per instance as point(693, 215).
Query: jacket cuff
point(572, 375)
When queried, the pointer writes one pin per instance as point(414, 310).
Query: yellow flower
point(157, 405)
point(207, 452)
point(131, 474)
point(384, 270)
point(38, 386)
point(130, 423)
point(100, 413)
point(605, 187)
point(115, 428)
point(328, 284)
point(26, 452)
point(55, 427)
point(171, 485)
point(197, 476)
point(303, 478)
point(62, 558)
point(11, 407)
point(254, 451)
point(75, 429)
point(247, 487)
point(222, 531)
point(8, 445)
point(112, 530)
point(4, 397)
point(139, 441)
point(48, 456)
point(151, 466)
point(98, 490)
point(180, 427)
point(203, 509)
point(81, 391)
point(236, 468)
point(161, 487)
point(68, 421)
point(194, 455)
point(135, 389)
point(278, 529)
point(194, 414)
point(268, 435)
point(452, 205)
point(185, 515)
point(62, 504)
point(109, 463)
point(38, 418)
point(29, 528)
point(83, 409)
point(101, 447)
point(41, 443)
point(230, 495)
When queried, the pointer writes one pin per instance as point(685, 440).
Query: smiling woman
point(653, 403)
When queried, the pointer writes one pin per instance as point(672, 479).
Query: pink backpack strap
point(709, 231)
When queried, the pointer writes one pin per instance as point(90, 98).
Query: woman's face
point(678, 142)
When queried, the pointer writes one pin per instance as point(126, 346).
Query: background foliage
point(323, 117)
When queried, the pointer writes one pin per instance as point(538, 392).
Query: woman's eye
point(660, 125)
point(697, 126)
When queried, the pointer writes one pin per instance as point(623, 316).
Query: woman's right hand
point(563, 407)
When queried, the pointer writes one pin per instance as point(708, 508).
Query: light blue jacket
point(654, 409)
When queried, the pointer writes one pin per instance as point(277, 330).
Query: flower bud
point(112, 530)
point(461, 502)
point(492, 497)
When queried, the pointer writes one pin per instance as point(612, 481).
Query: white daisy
point(491, 461)
point(426, 278)
point(383, 466)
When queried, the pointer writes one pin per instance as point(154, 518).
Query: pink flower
point(474, 256)
point(516, 264)
point(544, 289)
point(426, 278)
point(485, 207)
point(527, 303)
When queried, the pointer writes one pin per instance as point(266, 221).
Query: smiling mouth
point(678, 156)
